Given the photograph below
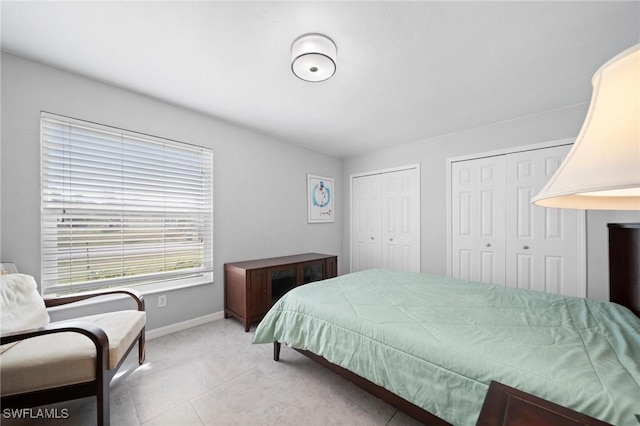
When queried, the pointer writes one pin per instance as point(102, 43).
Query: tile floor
point(213, 375)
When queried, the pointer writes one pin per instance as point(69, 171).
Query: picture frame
point(320, 196)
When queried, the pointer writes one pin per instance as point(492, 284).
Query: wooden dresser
point(251, 287)
point(624, 265)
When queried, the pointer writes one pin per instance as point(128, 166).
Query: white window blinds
point(120, 208)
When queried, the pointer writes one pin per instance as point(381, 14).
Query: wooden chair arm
point(63, 300)
point(97, 336)
point(92, 331)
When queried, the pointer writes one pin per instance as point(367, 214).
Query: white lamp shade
point(313, 57)
point(602, 169)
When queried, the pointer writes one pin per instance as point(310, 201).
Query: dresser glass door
point(282, 281)
point(313, 272)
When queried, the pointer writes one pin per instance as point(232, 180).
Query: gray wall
point(432, 155)
point(259, 188)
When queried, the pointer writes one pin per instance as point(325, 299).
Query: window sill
point(148, 289)
point(144, 289)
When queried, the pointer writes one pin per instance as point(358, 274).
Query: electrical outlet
point(162, 301)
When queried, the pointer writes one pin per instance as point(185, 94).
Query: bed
point(437, 342)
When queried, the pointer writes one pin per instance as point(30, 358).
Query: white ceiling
point(406, 71)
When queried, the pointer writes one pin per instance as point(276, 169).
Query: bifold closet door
point(366, 223)
point(542, 249)
point(386, 221)
point(401, 220)
point(499, 237)
point(477, 219)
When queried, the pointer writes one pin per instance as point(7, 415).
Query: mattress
point(438, 342)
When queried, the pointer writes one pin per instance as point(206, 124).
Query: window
point(121, 208)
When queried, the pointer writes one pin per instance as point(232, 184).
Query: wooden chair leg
point(141, 347)
point(103, 404)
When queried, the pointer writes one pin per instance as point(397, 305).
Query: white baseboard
point(173, 328)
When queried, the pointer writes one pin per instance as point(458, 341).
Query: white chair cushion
point(66, 358)
point(21, 306)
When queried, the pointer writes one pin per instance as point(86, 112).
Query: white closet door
point(478, 215)
point(541, 242)
point(366, 223)
point(401, 220)
point(385, 220)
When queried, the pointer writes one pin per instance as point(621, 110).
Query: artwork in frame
point(320, 199)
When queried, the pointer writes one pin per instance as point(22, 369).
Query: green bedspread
point(438, 342)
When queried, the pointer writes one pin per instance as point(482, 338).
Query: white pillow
point(21, 306)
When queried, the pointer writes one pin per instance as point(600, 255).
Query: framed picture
point(319, 199)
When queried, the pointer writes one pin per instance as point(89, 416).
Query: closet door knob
point(488, 245)
point(390, 239)
point(372, 238)
point(526, 247)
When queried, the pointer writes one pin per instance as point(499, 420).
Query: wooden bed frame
point(389, 397)
point(503, 405)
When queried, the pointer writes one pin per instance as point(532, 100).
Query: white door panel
point(498, 236)
point(478, 220)
point(401, 216)
point(366, 226)
point(545, 237)
point(386, 220)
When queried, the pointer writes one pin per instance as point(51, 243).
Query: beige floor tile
point(160, 391)
point(328, 410)
point(183, 415)
point(401, 419)
point(242, 401)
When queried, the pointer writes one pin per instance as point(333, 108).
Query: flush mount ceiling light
point(313, 57)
